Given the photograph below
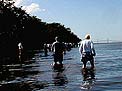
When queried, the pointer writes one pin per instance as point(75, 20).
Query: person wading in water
point(58, 49)
point(87, 51)
point(20, 51)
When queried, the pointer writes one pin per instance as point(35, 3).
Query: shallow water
point(37, 74)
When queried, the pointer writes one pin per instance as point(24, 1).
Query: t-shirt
point(86, 46)
point(20, 46)
point(58, 47)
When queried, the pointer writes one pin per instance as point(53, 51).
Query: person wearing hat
point(87, 51)
point(58, 49)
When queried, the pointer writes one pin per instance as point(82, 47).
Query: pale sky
point(100, 18)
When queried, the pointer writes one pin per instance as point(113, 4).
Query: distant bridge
point(106, 41)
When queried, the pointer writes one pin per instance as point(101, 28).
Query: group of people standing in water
point(86, 50)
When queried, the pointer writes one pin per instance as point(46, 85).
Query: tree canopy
point(18, 26)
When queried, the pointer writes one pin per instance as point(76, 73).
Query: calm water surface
point(40, 76)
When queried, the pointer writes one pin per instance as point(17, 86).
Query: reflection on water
point(14, 77)
point(88, 73)
point(59, 77)
point(88, 78)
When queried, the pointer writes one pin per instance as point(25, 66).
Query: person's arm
point(80, 48)
point(93, 49)
point(52, 47)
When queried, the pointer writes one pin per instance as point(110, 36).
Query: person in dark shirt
point(45, 49)
point(58, 49)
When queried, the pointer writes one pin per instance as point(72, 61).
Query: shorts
point(58, 57)
point(87, 56)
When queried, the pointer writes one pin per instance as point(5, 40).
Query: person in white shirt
point(87, 51)
point(20, 47)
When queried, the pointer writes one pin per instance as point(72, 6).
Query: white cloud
point(32, 8)
point(17, 2)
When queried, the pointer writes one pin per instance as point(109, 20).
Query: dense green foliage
point(18, 26)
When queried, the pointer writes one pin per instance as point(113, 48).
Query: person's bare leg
point(92, 64)
point(84, 67)
point(84, 64)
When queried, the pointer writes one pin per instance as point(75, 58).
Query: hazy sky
point(100, 18)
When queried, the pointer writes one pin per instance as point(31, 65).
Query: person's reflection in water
point(59, 78)
point(88, 74)
point(88, 78)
